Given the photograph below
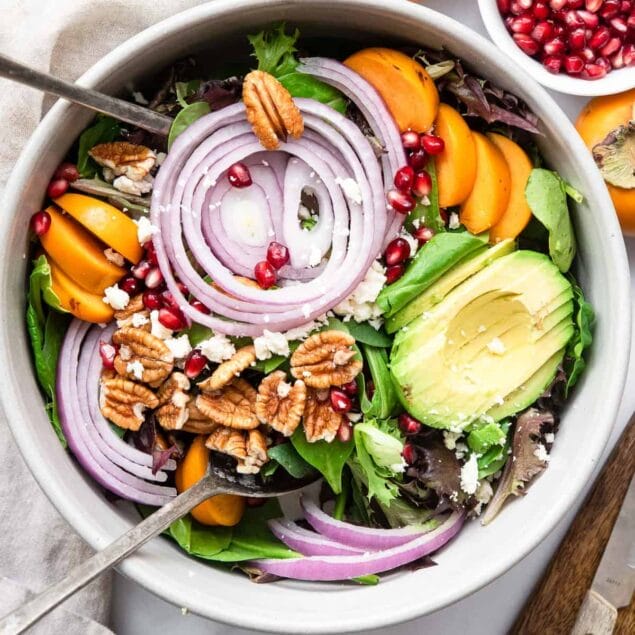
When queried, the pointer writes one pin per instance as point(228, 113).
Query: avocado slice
point(489, 347)
point(467, 267)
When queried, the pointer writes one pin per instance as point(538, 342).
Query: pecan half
point(271, 110)
point(233, 406)
point(173, 400)
point(197, 422)
point(124, 159)
point(279, 404)
point(248, 447)
point(124, 402)
point(321, 422)
point(125, 317)
point(142, 356)
point(228, 371)
point(326, 359)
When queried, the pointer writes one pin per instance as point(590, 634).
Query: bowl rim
point(616, 81)
point(139, 568)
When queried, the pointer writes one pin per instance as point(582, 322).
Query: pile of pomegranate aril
point(583, 38)
point(63, 176)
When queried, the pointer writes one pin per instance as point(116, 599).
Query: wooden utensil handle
point(554, 604)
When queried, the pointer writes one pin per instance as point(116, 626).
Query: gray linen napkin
point(63, 37)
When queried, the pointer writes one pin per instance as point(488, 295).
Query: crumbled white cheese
point(283, 389)
point(125, 352)
point(179, 346)
point(180, 399)
point(138, 410)
point(351, 189)
point(145, 230)
point(411, 240)
point(217, 348)
point(126, 185)
point(550, 437)
point(139, 319)
point(460, 450)
point(353, 417)
point(541, 453)
point(270, 343)
point(304, 213)
point(454, 222)
point(496, 346)
point(157, 329)
point(469, 475)
point(484, 492)
point(135, 369)
point(315, 256)
point(450, 438)
point(161, 157)
point(360, 305)
point(114, 256)
point(306, 310)
point(117, 298)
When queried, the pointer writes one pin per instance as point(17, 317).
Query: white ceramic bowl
point(614, 82)
point(479, 554)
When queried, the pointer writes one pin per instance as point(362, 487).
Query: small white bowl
point(614, 82)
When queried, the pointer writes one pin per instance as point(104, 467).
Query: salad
point(357, 267)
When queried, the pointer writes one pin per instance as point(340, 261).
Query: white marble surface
point(490, 611)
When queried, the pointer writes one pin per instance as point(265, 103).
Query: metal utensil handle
point(123, 110)
point(30, 612)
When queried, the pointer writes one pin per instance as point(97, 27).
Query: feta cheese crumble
point(115, 297)
point(541, 453)
point(413, 243)
point(550, 437)
point(469, 475)
point(496, 346)
point(270, 343)
point(454, 222)
point(126, 185)
point(450, 438)
point(145, 230)
point(360, 305)
point(139, 319)
point(135, 369)
point(283, 389)
point(351, 189)
point(157, 329)
point(315, 256)
point(179, 346)
point(217, 348)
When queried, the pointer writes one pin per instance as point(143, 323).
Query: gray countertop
point(490, 611)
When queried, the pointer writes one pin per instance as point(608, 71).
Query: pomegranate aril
point(522, 24)
point(408, 424)
point(410, 140)
point(423, 235)
point(593, 5)
point(553, 63)
point(67, 171)
point(503, 6)
point(422, 185)
point(409, 453)
point(238, 175)
point(199, 306)
point(168, 300)
point(591, 20)
point(41, 222)
point(152, 300)
point(577, 39)
point(400, 202)
point(171, 318)
point(265, 274)
point(612, 46)
point(154, 278)
point(516, 8)
point(525, 4)
point(604, 62)
point(130, 285)
point(599, 39)
point(617, 60)
point(277, 255)
point(541, 11)
point(555, 46)
point(108, 352)
point(433, 144)
point(417, 160)
point(151, 254)
point(573, 64)
point(345, 432)
point(593, 71)
point(557, 5)
point(573, 20)
point(350, 388)
point(628, 54)
point(610, 8)
point(57, 187)
point(575, 4)
point(397, 251)
point(394, 272)
point(587, 54)
point(194, 364)
point(404, 178)
point(542, 31)
point(619, 25)
point(141, 270)
point(526, 43)
point(340, 401)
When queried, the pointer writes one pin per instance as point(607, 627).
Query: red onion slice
point(354, 535)
point(308, 543)
point(330, 568)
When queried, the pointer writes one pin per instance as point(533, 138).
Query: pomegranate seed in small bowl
point(40, 223)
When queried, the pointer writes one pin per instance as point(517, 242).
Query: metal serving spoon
point(117, 108)
point(217, 481)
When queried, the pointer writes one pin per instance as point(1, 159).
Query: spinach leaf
point(429, 214)
point(185, 118)
point(547, 197)
point(275, 52)
point(197, 333)
point(574, 362)
point(365, 333)
point(200, 540)
point(287, 456)
point(385, 401)
point(184, 90)
point(434, 259)
point(327, 458)
point(104, 130)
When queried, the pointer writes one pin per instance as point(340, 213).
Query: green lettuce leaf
point(574, 363)
point(104, 130)
point(385, 401)
point(275, 52)
point(287, 456)
point(186, 117)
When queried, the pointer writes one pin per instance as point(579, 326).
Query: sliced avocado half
point(489, 347)
point(470, 265)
